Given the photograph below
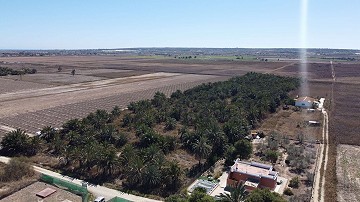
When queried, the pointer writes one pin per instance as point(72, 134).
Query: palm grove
point(210, 121)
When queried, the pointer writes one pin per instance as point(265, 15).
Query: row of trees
point(4, 71)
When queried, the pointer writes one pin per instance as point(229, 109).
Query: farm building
point(253, 175)
point(304, 102)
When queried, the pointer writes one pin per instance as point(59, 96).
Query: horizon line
point(164, 47)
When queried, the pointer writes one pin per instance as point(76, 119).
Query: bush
point(17, 142)
point(261, 134)
point(294, 182)
point(309, 178)
point(288, 192)
point(16, 170)
point(271, 156)
point(170, 124)
point(121, 140)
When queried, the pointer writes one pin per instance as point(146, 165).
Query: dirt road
point(319, 181)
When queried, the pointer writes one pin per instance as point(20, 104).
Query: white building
point(304, 102)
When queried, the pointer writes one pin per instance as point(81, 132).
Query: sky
point(90, 24)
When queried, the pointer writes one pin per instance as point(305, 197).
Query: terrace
point(253, 175)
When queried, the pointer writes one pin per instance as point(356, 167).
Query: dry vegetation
point(293, 122)
point(289, 124)
point(15, 176)
point(348, 173)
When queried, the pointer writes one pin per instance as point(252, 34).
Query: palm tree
point(201, 148)
point(110, 161)
point(236, 195)
point(48, 133)
point(134, 171)
point(15, 142)
point(173, 174)
point(152, 176)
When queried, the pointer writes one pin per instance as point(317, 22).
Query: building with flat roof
point(304, 102)
point(253, 175)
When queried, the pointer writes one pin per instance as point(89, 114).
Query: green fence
point(118, 199)
point(71, 187)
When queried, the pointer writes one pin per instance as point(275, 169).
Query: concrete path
point(94, 189)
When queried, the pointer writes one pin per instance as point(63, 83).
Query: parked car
point(100, 199)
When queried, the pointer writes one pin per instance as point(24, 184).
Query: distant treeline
point(342, 58)
point(4, 71)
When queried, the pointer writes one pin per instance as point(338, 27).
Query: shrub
point(17, 142)
point(170, 124)
point(288, 192)
point(16, 170)
point(261, 134)
point(271, 156)
point(309, 178)
point(121, 140)
point(294, 182)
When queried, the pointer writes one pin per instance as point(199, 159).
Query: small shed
point(314, 123)
point(304, 102)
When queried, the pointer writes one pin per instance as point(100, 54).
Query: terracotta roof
point(45, 192)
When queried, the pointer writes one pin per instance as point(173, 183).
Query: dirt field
point(214, 67)
point(12, 85)
point(55, 116)
point(346, 114)
point(291, 123)
point(348, 173)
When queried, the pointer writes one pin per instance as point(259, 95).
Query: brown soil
point(348, 173)
point(291, 123)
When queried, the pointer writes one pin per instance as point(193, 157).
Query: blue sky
point(78, 24)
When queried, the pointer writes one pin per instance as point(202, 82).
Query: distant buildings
point(304, 102)
point(253, 175)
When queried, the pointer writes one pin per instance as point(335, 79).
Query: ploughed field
point(105, 81)
point(53, 96)
point(53, 106)
point(55, 116)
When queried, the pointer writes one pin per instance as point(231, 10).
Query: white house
point(304, 102)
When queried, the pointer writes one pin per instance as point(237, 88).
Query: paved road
point(94, 189)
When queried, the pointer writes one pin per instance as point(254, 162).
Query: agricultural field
point(194, 66)
point(51, 97)
point(348, 173)
point(55, 116)
point(13, 85)
point(293, 122)
point(345, 114)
